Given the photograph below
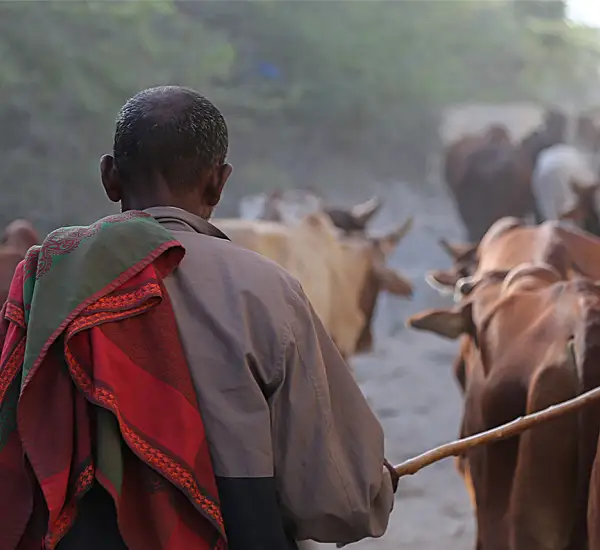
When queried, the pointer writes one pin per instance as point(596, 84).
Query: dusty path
point(409, 383)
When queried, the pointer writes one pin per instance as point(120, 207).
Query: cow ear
point(393, 282)
point(449, 249)
point(574, 214)
point(449, 323)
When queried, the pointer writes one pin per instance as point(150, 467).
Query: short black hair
point(170, 131)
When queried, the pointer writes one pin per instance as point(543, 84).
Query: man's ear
point(449, 323)
point(110, 178)
point(221, 175)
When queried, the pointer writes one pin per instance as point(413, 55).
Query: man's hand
point(393, 474)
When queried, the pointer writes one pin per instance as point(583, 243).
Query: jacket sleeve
point(328, 444)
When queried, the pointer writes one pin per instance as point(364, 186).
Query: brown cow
point(571, 253)
point(17, 238)
point(489, 177)
point(530, 340)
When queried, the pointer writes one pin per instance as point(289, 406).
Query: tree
point(330, 93)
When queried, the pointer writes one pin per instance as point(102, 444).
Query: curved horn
point(403, 230)
point(365, 211)
point(388, 243)
point(448, 248)
point(455, 251)
point(432, 281)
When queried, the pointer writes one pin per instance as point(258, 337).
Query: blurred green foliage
point(334, 94)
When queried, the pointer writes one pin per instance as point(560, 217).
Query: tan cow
point(17, 238)
point(341, 275)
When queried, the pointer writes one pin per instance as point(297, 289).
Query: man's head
point(169, 149)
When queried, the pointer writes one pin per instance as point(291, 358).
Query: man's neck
point(201, 211)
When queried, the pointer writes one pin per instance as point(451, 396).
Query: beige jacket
point(296, 449)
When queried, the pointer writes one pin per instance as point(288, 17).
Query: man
point(295, 449)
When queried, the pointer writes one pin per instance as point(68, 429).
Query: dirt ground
point(409, 384)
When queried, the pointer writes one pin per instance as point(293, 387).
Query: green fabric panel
point(83, 261)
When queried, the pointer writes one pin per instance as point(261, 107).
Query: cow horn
point(448, 248)
point(365, 211)
point(456, 251)
point(442, 289)
point(404, 229)
point(389, 242)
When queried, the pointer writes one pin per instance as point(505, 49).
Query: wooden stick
point(516, 427)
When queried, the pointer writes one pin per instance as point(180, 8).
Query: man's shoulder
point(249, 268)
point(258, 263)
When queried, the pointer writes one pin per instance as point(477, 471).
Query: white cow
point(555, 171)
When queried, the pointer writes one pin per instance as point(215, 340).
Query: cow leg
point(492, 467)
point(544, 498)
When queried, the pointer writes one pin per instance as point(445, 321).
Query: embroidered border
point(67, 516)
point(172, 470)
point(66, 239)
point(15, 314)
point(131, 299)
point(11, 366)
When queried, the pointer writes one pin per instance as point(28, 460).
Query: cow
point(489, 177)
point(16, 240)
point(565, 177)
point(561, 172)
point(529, 340)
point(493, 180)
point(341, 275)
point(513, 259)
